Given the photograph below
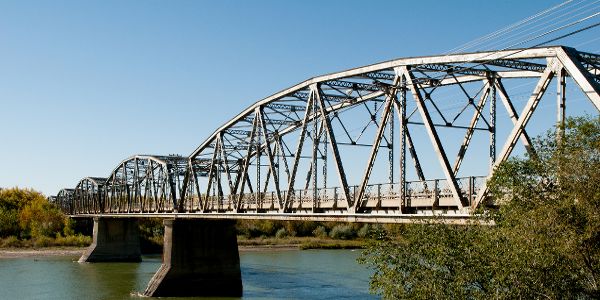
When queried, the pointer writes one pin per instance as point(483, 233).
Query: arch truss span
point(406, 136)
point(89, 195)
point(64, 200)
point(145, 184)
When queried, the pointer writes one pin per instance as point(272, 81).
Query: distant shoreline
point(40, 252)
point(244, 245)
point(6, 253)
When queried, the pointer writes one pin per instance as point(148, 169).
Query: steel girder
point(89, 195)
point(64, 200)
point(253, 162)
point(294, 152)
point(143, 183)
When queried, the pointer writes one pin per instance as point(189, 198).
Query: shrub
point(11, 241)
point(43, 241)
point(342, 232)
point(320, 232)
point(364, 231)
point(281, 233)
point(9, 222)
point(78, 240)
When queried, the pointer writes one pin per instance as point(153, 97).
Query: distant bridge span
point(335, 147)
point(332, 148)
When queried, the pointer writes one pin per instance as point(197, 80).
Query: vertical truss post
point(127, 189)
point(316, 91)
point(439, 149)
point(258, 196)
point(324, 160)
point(136, 182)
point(218, 178)
point(211, 176)
point(391, 149)
point(197, 185)
point(184, 187)
point(401, 110)
point(315, 150)
point(413, 152)
point(560, 103)
point(492, 123)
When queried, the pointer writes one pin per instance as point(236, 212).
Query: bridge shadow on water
point(293, 274)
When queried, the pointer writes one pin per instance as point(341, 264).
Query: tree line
point(28, 219)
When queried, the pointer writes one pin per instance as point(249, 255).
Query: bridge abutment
point(114, 240)
point(200, 258)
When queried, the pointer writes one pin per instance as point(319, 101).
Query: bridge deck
point(434, 217)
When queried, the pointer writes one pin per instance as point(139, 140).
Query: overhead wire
point(556, 29)
point(532, 30)
point(533, 19)
point(501, 31)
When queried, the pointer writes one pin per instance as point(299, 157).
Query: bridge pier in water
point(114, 240)
point(200, 258)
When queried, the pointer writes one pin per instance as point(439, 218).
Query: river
point(291, 274)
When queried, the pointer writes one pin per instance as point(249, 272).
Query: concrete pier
point(114, 240)
point(200, 258)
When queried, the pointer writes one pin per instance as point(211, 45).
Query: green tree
point(27, 213)
point(545, 242)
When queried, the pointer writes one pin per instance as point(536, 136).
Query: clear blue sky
point(85, 84)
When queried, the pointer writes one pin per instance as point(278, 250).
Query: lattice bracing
point(145, 183)
point(406, 137)
point(292, 152)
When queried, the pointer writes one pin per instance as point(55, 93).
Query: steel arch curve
point(145, 184)
point(89, 195)
point(252, 163)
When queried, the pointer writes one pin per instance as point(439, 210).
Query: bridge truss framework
point(286, 154)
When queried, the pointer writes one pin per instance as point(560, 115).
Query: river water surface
point(293, 274)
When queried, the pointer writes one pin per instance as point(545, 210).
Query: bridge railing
point(416, 195)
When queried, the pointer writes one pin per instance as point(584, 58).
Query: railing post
point(435, 192)
point(379, 194)
point(335, 197)
point(471, 189)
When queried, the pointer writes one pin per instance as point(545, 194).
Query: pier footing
point(200, 258)
point(114, 240)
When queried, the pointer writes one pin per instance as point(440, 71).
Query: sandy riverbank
point(40, 252)
point(77, 251)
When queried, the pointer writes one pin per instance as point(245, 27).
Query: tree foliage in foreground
point(545, 244)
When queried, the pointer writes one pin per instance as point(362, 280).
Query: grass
point(44, 241)
point(79, 240)
point(303, 243)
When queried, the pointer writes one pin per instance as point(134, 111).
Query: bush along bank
point(27, 219)
point(304, 234)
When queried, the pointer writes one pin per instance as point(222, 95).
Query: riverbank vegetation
point(27, 219)
point(296, 234)
point(303, 234)
point(545, 242)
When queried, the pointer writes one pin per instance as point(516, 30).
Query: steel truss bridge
point(351, 145)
